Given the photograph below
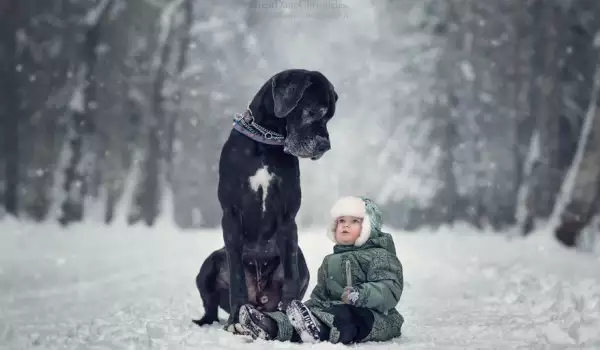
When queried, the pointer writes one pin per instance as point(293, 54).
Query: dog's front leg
point(238, 290)
point(288, 248)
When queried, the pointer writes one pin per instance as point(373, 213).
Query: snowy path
point(95, 288)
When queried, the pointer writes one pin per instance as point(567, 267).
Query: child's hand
point(350, 296)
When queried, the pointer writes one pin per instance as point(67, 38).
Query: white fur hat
point(351, 206)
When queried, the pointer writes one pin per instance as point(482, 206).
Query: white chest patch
point(261, 179)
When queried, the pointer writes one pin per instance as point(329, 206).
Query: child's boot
point(305, 323)
point(258, 324)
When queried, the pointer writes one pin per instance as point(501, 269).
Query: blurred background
point(458, 111)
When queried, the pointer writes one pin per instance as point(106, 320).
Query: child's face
point(347, 229)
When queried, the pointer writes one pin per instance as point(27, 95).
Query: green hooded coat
point(376, 274)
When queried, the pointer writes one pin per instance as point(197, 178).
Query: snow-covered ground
point(111, 288)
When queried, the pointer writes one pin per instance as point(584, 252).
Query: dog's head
point(260, 265)
point(306, 100)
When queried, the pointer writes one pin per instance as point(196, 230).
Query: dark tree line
point(116, 110)
point(515, 85)
point(84, 93)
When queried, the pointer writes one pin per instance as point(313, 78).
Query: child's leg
point(306, 325)
point(268, 325)
point(353, 323)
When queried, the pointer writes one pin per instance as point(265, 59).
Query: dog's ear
point(287, 89)
point(333, 98)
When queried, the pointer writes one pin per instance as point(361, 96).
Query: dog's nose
point(323, 144)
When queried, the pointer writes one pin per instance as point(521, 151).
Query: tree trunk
point(445, 209)
point(448, 194)
point(546, 108)
point(581, 190)
point(184, 45)
point(10, 113)
point(81, 170)
point(521, 120)
point(160, 124)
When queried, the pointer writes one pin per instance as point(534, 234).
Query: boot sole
point(249, 324)
point(303, 322)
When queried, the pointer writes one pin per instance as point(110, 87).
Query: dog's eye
point(311, 114)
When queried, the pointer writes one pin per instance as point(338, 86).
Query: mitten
point(350, 295)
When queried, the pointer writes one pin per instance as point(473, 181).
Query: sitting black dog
point(259, 174)
point(264, 280)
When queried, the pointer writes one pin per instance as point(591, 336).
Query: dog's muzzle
point(323, 145)
point(313, 150)
point(321, 148)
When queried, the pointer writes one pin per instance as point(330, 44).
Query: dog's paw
point(236, 328)
point(203, 321)
point(240, 329)
point(229, 328)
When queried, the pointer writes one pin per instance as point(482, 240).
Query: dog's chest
point(260, 183)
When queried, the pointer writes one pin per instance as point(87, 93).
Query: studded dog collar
point(245, 124)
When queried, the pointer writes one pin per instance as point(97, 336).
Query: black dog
point(264, 279)
point(259, 175)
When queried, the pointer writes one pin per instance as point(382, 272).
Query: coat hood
point(365, 208)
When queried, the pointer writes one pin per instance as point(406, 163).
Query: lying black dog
point(264, 280)
point(259, 175)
